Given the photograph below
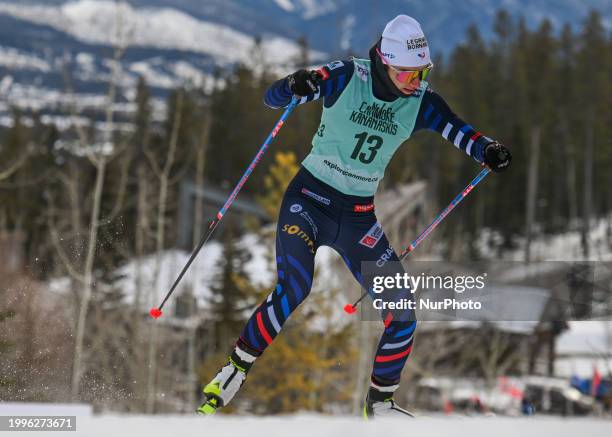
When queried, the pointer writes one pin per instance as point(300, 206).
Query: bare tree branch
point(154, 165)
point(125, 167)
point(58, 246)
point(8, 172)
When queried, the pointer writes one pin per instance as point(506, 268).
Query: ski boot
point(379, 403)
point(223, 387)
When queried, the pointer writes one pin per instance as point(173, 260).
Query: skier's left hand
point(497, 156)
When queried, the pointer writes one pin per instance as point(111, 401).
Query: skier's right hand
point(303, 82)
point(497, 156)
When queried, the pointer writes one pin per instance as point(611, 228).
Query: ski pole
point(157, 312)
point(350, 309)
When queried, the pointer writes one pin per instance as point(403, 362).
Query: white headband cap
point(404, 43)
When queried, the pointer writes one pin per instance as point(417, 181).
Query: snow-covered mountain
point(39, 41)
point(332, 26)
point(171, 42)
point(106, 23)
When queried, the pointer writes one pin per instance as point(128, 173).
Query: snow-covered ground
point(156, 273)
point(564, 247)
point(307, 424)
point(586, 337)
point(326, 426)
point(583, 348)
point(259, 269)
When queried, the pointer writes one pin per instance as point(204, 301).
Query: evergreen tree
point(594, 101)
point(565, 99)
point(232, 293)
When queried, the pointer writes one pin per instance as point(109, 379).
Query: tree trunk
point(139, 237)
point(159, 247)
point(99, 160)
point(570, 171)
point(363, 364)
point(532, 190)
point(88, 275)
point(432, 189)
point(198, 219)
point(588, 183)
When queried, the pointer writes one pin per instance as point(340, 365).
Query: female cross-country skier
point(370, 107)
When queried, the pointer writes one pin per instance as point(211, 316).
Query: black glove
point(302, 82)
point(497, 156)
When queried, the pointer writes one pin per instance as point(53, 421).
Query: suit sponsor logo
point(316, 196)
point(306, 216)
point(334, 65)
point(373, 236)
point(385, 257)
point(296, 207)
point(324, 73)
point(298, 232)
point(363, 208)
point(362, 72)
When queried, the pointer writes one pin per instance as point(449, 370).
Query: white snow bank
point(152, 276)
point(586, 337)
point(582, 367)
point(201, 274)
point(563, 247)
point(149, 278)
point(586, 346)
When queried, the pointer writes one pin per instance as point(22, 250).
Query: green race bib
point(359, 134)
